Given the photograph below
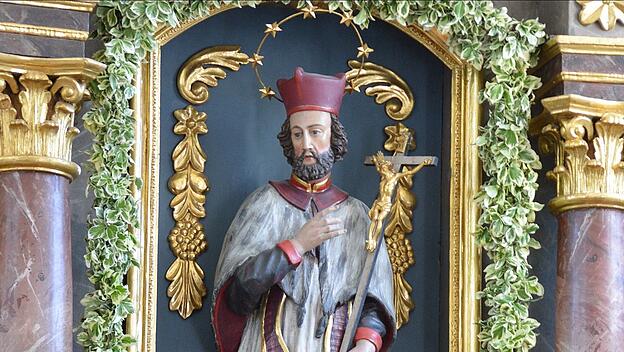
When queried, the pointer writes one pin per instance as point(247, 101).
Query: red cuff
point(370, 335)
point(294, 258)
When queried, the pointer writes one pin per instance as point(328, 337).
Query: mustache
point(307, 152)
point(319, 169)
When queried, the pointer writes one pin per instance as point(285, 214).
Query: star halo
point(310, 12)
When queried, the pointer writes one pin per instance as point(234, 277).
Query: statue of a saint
point(293, 255)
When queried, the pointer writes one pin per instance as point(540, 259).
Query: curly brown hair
point(338, 140)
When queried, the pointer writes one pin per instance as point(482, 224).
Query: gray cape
point(266, 218)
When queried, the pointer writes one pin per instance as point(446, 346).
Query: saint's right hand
point(318, 230)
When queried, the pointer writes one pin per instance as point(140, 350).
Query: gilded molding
point(187, 239)
point(572, 105)
point(202, 71)
point(37, 116)
point(571, 44)
point(78, 68)
point(586, 136)
point(385, 85)
point(74, 5)
point(43, 31)
point(606, 12)
point(586, 77)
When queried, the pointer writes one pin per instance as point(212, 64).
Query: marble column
point(35, 262)
point(590, 280)
point(587, 137)
point(38, 102)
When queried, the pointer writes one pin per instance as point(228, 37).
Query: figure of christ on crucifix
point(382, 205)
point(292, 258)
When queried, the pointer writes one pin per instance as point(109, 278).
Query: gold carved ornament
point(188, 184)
point(385, 85)
point(400, 225)
point(37, 115)
point(203, 70)
point(390, 89)
point(399, 247)
point(606, 12)
point(588, 146)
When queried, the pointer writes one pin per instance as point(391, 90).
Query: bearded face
point(307, 161)
point(309, 172)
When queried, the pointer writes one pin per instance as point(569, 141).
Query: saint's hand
point(318, 230)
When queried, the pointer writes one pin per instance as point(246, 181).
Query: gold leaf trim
point(37, 121)
point(589, 170)
point(41, 164)
point(43, 31)
point(278, 324)
point(79, 68)
point(385, 85)
point(203, 70)
point(576, 44)
point(187, 239)
point(74, 5)
point(586, 77)
point(400, 248)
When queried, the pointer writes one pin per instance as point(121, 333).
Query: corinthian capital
point(38, 101)
point(587, 137)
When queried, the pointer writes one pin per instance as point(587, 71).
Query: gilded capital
point(38, 101)
point(586, 136)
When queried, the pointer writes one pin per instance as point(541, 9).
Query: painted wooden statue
point(292, 257)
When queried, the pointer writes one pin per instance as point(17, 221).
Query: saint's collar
point(300, 193)
point(316, 186)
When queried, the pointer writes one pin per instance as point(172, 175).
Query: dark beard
point(320, 169)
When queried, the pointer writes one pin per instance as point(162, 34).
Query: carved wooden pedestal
point(38, 101)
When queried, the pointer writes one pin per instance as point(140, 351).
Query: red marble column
point(590, 281)
point(35, 263)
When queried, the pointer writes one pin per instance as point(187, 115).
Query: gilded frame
point(465, 180)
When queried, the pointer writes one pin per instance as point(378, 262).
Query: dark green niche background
point(243, 152)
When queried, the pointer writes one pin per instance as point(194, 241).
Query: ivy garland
point(482, 35)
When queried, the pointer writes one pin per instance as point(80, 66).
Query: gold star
point(351, 87)
point(346, 19)
point(364, 50)
point(266, 92)
point(273, 28)
point(309, 12)
point(256, 60)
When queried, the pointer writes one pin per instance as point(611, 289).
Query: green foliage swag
point(482, 35)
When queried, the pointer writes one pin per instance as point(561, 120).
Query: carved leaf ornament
point(399, 226)
point(187, 239)
point(386, 86)
point(203, 70)
point(188, 184)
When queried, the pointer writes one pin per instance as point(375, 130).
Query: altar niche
point(242, 153)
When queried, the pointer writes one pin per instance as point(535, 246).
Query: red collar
point(322, 196)
point(316, 186)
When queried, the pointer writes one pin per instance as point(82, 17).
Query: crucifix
point(389, 168)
